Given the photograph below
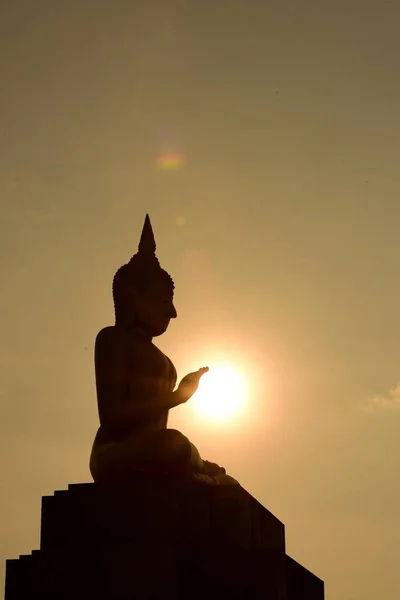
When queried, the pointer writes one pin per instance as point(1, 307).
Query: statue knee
point(178, 444)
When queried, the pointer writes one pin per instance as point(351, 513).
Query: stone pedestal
point(159, 541)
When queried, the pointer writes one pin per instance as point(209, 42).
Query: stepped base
point(159, 541)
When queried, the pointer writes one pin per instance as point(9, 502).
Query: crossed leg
point(164, 453)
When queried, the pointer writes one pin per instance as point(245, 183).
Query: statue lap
point(163, 454)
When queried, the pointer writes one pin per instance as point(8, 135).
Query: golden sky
point(279, 224)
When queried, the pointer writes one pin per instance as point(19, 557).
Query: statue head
point(143, 292)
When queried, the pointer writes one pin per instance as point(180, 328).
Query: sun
point(221, 395)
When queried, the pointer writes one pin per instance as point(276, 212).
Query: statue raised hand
point(189, 384)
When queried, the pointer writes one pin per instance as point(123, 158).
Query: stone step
point(301, 583)
point(191, 513)
point(163, 571)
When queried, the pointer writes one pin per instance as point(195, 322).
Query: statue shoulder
point(108, 334)
point(108, 337)
point(116, 340)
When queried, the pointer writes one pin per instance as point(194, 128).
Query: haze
point(279, 223)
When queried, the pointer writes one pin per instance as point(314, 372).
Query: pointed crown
point(144, 266)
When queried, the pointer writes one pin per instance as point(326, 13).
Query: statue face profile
point(153, 307)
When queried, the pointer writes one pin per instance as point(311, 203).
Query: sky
point(280, 227)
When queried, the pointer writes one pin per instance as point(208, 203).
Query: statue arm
point(116, 387)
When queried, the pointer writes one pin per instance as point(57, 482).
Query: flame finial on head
point(145, 258)
point(147, 244)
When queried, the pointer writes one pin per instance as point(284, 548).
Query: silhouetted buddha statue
point(135, 382)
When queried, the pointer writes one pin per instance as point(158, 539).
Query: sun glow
point(222, 393)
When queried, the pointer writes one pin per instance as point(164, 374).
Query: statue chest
point(157, 373)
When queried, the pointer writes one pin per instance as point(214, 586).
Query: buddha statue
point(136, 383)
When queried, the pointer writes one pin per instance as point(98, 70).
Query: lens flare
point(170, 162)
